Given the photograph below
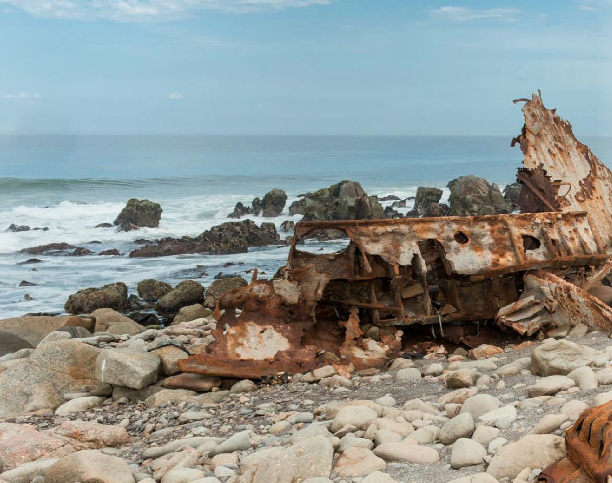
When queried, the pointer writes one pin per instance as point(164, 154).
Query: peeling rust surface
point(589, 450)
point(562, 173)
point(549, 302)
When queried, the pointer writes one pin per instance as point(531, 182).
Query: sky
point(366, 67)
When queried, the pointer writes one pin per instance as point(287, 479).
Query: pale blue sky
point(301, 66)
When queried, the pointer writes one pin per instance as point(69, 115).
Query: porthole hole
point(461, 238)
point(530, 243)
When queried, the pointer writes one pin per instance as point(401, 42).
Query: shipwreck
point(526, 273)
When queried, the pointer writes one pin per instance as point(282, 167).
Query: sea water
point(70, 184)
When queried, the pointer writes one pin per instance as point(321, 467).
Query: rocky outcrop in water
point(346, 200)
point(272, 205)
point(112, 296)
point(19, 228)
point(240, 210)
point(49, 249)
point(230, 237)
point(138, 214)
point(425, 197)
point(471, 195)
point(512, 192)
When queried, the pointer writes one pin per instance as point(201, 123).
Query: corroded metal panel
point(560, 173)
point(589, 450)
point(472, 245)
point(550, 302)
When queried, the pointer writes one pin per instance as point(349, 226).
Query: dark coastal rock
point(80, 252)
point(219, 287)
point(30, 261)
point(138, 214)
point(112, 296)
point(25, 283)
point(135, 303)
point(346, 200)
point(50, 249)
point(355, 204)
point(434, 210)
point(257, 206)
point(287, 225)
point(425, 197)
point(399, 204)
point(40, 381)
point(392, 213)
point(230, 237)
point(389, 198)
point(111, 252)
point(18, 228)
point(273, 203)
point(186, 293)
point(240, 210)
point(512, 192)
point(104, 225)
point(144, 318)
point(152, 290)
point(471, 195)
point(11, 343)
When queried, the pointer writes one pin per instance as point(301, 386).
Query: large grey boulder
point(346, 200)
point(425, 198)
point(461, 426)
point(138, 214)
point(152, 290)
point(512, 193)
point(216, 289)
point(11, 343)
point(273, 203)
point(471, 195)
point(563, 356)
point(34, 328)
point(121, 367)
point(42, 380)
point(109, 320)
point(311, 458)
point(532, 451)
point(112, 296)
point(89, 466)
point(355, 204)
point(188, 292)
point(191, 312)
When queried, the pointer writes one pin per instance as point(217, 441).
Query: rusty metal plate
point(560, 173)
point(550, 302)
point(589, 450)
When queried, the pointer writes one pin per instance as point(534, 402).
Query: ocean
point(70, 184)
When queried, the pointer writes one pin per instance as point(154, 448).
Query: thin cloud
point(465, 14)
point(176, 96)
point(23, 95)
point(148, 10)
point(594, 5)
